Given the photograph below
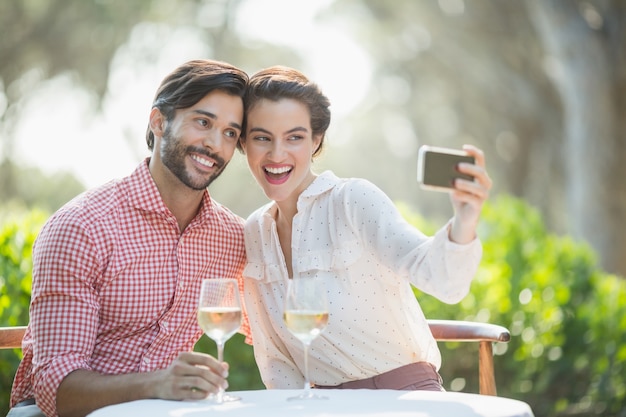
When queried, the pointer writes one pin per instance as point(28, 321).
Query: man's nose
point(213, 139)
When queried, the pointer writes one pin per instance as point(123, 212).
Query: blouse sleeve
point(434, 265)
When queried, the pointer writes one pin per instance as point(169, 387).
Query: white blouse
point(351, 234)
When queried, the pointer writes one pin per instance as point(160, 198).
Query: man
point(117, 271)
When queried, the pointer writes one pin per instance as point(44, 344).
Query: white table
point(340, 403)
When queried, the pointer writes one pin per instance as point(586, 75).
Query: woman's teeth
point(276, 171)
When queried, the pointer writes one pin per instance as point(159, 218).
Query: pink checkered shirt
point(115, 284)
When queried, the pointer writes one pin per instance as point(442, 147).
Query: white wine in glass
point(219, 316)
point(306, 316)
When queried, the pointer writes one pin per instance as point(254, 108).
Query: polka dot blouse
point(348, 232)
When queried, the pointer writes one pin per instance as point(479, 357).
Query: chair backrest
point(11, 337)
point(443, 331)
point(483, 333)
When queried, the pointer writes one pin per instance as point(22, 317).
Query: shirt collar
point(143, 193)
point(321, 184)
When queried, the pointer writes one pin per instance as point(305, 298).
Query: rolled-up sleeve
point(64, 307)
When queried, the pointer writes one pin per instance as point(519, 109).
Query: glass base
point(307, 395)
point(226, 398)
point(229, 398)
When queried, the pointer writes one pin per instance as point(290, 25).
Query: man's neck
point(182, 201)
point(184, 205)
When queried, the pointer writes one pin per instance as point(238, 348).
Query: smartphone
point(437, 167)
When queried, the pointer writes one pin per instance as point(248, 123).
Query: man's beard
point(173, 155)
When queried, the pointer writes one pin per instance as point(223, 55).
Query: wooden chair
point(483, 333)
point(443, 331)
point(11, 337)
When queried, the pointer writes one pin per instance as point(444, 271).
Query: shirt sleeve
point(64, 307)
point(434, 265)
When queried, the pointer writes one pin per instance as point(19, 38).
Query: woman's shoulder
point(260, 214)
point(357, 189)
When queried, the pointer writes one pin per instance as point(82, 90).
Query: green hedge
point(567, 355)
point(567, 318)
point(17, 234)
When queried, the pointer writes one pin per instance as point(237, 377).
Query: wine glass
point(219, 315)
point(306, 315)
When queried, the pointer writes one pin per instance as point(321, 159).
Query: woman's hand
point(468, 197)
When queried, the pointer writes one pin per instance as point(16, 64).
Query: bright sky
point(60, 131)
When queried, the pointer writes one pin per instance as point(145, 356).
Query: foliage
point(17, 234)
point(33, 188)
point(567, 318)
point(243, 373)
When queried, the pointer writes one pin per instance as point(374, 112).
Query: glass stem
point(307, 383)
point(219, 397)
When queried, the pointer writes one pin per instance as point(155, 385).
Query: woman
point(350, 233)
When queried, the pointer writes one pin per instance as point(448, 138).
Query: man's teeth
point(280, 170)
point(203, 161)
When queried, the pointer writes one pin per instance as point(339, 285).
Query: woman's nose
point(277, 151)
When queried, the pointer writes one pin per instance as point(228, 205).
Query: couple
point(117, 271)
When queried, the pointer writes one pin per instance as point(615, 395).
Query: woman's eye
point(295, 137)
point(203, 122)
point(261, 138)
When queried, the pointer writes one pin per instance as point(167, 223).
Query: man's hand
point(192, 376)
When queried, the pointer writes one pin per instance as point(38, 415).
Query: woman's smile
point(277, 174)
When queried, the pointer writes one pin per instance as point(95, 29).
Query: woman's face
point(279, 146)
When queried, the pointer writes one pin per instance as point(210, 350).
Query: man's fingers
point(203, 360)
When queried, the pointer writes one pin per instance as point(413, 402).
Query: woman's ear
point(317, 142)
point(157, 122)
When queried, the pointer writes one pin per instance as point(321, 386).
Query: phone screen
point(437, 168)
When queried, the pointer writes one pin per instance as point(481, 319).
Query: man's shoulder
point(227, 216)
point(93, 204)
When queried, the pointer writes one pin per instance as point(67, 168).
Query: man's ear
point(157, 122)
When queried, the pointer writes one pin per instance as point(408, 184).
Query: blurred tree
point(449, 72)
point(36, 189)
point(42, 39)
point(538, 85)
point(585, 48)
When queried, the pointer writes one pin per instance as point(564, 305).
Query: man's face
point(199, 141)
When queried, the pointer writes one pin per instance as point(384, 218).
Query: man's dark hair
point(189, 83)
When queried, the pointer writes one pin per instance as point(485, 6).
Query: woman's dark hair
point(279, 82)
point(189, 83)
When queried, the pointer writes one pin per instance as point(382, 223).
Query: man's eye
point(231, 134)
point(203, 122)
